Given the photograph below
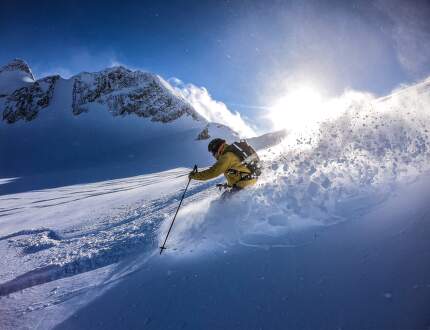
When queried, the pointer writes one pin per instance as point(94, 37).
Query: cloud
point(410, 32)
point(210, 109)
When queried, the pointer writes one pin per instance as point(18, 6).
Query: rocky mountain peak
point(129, 92)
point(120, 90)
point(17, 65)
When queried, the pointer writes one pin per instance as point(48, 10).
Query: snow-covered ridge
point(13, 76)
point(121, 90)
point(17, 65)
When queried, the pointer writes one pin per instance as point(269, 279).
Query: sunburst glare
point(298, 109)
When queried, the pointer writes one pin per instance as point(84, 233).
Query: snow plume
point(359, 154)
point(210, 109)
point(346, 166)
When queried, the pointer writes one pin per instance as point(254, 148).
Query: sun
point(298, 109)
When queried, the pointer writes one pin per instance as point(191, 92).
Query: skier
point(239, 162)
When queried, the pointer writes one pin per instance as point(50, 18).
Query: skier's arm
point(215, 170)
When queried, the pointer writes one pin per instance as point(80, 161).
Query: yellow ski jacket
point(227, 161)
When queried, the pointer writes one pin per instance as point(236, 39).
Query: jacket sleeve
point(215, 170)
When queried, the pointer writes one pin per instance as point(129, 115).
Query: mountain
point(114, 118)
point(120, 90)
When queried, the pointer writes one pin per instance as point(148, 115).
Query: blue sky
point(243, 52)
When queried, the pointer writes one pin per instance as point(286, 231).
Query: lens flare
point(297, 109)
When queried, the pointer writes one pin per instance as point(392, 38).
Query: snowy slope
point(335, 235)
point(371, 273)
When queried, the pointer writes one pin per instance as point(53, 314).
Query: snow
point(99, 267)
point(89, 235)
point(334, 235)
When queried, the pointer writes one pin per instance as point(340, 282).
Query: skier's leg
point(225, 195)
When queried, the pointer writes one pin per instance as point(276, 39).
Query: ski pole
point(180, 203)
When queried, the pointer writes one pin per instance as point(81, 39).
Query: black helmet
point(214, 145)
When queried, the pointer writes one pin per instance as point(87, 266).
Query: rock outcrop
point(129, 92)
point(26, 102)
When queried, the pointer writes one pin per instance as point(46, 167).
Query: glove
point(194, 171)
point(191, 175)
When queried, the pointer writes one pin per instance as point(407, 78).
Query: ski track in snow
point(110, 234)
point(88, 237)
point(123, 225)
